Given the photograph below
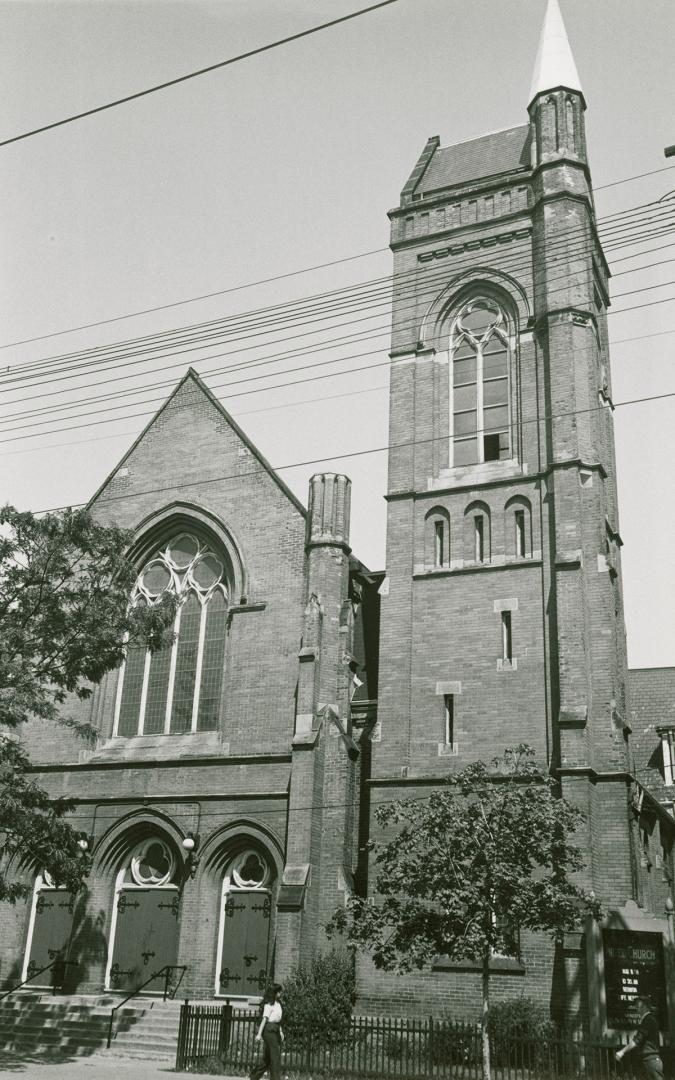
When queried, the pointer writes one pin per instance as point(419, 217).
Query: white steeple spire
point(554, 65)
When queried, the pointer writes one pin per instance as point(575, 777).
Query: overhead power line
point(241, 393)
point(86, 403)
point(334, 343)
point(183, 484)
point(271, 408)
point(325, 305)
point(639, 215)
point(368, 334)
point(201, 71)
point(227, 385)
point(261, 281)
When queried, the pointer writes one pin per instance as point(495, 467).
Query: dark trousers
point(271, 1054)
point(652, 1067)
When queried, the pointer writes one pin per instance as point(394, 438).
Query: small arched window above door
point(177, 689)
point(479, 385)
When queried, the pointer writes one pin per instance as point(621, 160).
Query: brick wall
point(564, 692)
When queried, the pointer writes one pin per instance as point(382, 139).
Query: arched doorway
point(145, 919)
point(245, 937)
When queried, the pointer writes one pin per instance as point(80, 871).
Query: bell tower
point(502, 616)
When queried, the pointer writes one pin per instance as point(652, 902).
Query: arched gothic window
point(480, 429)
point(177, 689)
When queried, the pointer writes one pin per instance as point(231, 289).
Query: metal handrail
point(166, 972)
point(47, 967)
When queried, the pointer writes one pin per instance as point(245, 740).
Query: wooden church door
point(146, 937)
point(146, 918)
point(49, 937)
point(244, 955)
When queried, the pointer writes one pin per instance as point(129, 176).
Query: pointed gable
point(191, 444)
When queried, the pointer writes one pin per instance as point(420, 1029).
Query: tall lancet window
point(177, 689)
point(480, 429)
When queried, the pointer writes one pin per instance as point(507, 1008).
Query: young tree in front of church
point(466, 868)
point(65, 617)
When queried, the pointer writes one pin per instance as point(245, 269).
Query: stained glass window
point(480, 384)
point(186, 664)
point(212, 661)
point(132, 690)
point(177, 689)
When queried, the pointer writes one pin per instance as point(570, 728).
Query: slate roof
point(489, 155)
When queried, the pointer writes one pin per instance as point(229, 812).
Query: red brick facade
point(508, 218)
point(501, 610)
point(280, 774)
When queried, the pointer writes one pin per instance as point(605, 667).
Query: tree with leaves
point(491, 851)
point(65, 620)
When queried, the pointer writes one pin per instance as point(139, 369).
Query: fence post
point(196, 1032)
point(180, 1049)
point(225, 1028)
point(430, 1047)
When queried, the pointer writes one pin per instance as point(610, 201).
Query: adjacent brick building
point(228, 794)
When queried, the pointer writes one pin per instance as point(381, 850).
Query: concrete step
point(42, 1025)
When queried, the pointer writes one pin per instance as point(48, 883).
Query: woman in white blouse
point(271, 1035)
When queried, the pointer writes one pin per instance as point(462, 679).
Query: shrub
point(520, 1018)
point(455, 1044)
point(520, 1031)
point(318, 1000)
point(396, 1047)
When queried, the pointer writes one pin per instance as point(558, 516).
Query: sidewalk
point(94, 1067)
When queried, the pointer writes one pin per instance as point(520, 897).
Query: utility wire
point(85, 403)
point(273, 408)
point(273, 314)
point(203, 341)
point(129, 392)
point(227, 385)
point(201, 71)
point(182, 484)
point(247, 412)
point(646, 211)
point(242, 393)
point(261, 281)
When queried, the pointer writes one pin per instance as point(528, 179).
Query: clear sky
point(282, 162)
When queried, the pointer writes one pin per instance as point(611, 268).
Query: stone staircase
point(41, 1025)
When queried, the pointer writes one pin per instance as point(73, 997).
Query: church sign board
point(633, 968)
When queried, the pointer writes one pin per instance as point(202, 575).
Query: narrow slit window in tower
point(449, 716)
point(507, 637)
point(521, 549)
point(479, 537)
point(439, 543)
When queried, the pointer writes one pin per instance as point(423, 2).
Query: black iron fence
point(221, 1039)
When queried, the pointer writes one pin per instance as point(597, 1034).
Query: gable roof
point(192, 376)
point(488, 155)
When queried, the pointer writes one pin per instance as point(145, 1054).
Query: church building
point(229, 793)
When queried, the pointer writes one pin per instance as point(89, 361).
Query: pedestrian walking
point(271, 1035)
point(645, 1042)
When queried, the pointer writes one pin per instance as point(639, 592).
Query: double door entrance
point(244, 945)
point(145, 937)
